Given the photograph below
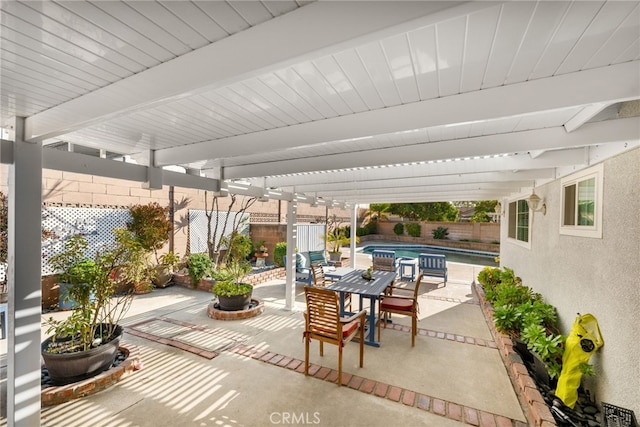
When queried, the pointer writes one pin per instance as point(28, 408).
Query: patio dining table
point(354, 283)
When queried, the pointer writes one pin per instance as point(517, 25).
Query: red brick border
point(218, 314)
point(451, 410)
point(534, 406)
point(56, 395)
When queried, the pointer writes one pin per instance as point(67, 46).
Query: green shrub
point(279, 252)
point(489, 278)
point(200, 265)
point(414, 229)
point(507, 293)
point(440, 232)
point(371, 227)
point(240, 247)
point(398, 229)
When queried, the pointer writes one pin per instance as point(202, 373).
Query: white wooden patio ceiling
point(366, 101)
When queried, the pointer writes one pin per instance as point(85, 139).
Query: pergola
point(334, 103)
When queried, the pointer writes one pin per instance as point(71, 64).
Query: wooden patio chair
point(323, 323)
point(383, 260)
point(320, 281)
point(400, 304)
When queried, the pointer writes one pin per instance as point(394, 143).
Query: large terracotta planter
point(66, 368)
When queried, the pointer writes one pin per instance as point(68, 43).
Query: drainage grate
point(615, 416)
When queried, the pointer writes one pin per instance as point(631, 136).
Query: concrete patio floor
point(453, 376)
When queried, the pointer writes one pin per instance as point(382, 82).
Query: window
point(518, 225)
point(582, 203)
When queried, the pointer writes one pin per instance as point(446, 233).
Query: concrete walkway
point(453, 376)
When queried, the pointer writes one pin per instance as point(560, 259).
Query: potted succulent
point(232, 294)
point(86, 342)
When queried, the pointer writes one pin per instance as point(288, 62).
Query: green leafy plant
point(239, 247)
point(199, 265)
point(398, 229)
point(414, 229)
point(587, 369)
point(506, 293)
point(336, 239)
point(440, 232)
point(137, 270)
point(279, 252)
point(489, 277)
point(150, 226)
point(507, 319)
point(171, 260)
point(95, 317)
point(228, 279)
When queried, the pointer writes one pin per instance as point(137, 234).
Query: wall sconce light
point(536, 203)
point(498, 209)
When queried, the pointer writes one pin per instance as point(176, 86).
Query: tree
point(214, 245)
point(150, 226)
point(431, 211)
point(378, 211)
point(481, 210)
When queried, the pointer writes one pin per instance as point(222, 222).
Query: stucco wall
point(598, 276)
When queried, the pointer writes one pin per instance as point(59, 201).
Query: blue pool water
point(454, 255)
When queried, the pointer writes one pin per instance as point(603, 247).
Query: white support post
point(24, 281)
point(354, 229)
point(292, 243)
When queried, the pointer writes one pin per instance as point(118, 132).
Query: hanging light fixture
point(536, 204)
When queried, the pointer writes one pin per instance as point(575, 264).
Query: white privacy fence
point(310, 237)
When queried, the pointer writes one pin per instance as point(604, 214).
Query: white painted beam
point(551, 159)
point(585, 115)
point(82, 163)
point(567, 90)
point(263, 48)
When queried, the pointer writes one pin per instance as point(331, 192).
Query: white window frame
point(591, 231)
point(515, 240)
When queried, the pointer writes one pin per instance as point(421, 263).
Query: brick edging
point(56, 395)
point(397, 394)
point(535, 408)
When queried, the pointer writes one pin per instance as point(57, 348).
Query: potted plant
point(137, 272)
point(150, 226)
point(231, 293)
point(335, 240)
point(199, 266)
point(74, 269)
point(164, 271)
point(86, 342)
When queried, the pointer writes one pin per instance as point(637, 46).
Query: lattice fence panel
point(95, 224)
point(198, 228)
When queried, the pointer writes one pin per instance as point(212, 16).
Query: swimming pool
point(454, 255)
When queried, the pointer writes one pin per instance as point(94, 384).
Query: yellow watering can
point(584, 340)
